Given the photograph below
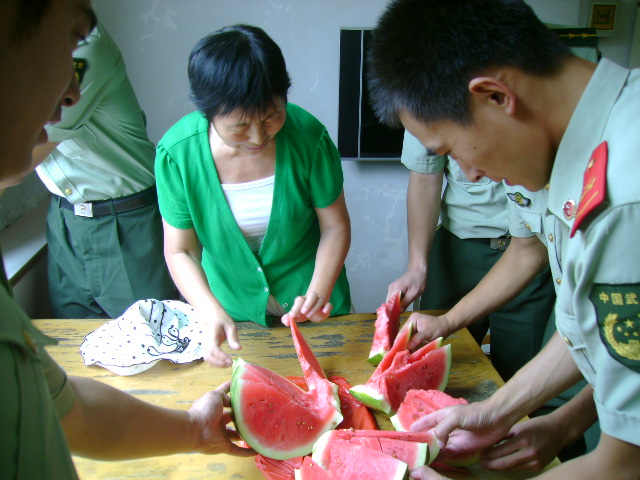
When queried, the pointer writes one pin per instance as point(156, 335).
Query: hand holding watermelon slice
point(273, 415)
point(429, 327)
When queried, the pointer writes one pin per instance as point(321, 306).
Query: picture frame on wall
point(603, 16)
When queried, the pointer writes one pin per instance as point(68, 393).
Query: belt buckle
point(83, 209)
point(499, 243)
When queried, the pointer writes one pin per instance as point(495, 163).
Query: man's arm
point(423, 209)
point(523, 259)
point(535, 442)
point(108, 424)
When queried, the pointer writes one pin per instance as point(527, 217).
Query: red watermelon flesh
point(418, 403)
point(431, 372)
point(386, 328)
point(311, 369)
point(274, 416)
point(310, 470)
point(427, 437)
point(429, 347)
point(347, 461)
point(414, 454)
point(354, 413)
point(278, 469)
point(277, 418)
point(399, 345)
point(400, 371)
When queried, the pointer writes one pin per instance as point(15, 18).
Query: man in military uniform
point(453, 259)
point(491, 86)
point(43, 413)
point(104, 230)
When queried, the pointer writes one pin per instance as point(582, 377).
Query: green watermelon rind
point(397, 424)
point(376, 358)
point(277, 454)
point(371, 397)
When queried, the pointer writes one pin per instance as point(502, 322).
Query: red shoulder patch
point(594, 186)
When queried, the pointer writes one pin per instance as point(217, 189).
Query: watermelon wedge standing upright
point(274, 416)
point(400, 371)
point(385, 329)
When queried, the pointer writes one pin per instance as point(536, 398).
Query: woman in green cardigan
point(251, 194)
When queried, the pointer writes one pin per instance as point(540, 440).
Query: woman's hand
point(309, 307)
point(220, 327)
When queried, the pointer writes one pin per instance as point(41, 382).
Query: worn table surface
point(341, 344)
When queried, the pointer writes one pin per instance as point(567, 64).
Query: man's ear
point(494, 91)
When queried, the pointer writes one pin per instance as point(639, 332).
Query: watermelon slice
point(273, 415)
point(355, 414)
point(418, 403)
point(414, 454)
point(345, 460)
point(310, 470)
point(386, 328)
point(427, 438)
point(400, 371)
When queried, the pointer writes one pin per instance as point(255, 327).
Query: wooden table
point(341, 345)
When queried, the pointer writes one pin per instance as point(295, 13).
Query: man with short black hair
point(487, 83)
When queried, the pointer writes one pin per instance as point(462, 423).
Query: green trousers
point(98, 267)
point(456, 266)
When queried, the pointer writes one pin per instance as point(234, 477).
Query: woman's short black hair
point(423, 53)
point(237, 67)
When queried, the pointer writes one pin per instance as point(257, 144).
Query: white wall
point(156, 37)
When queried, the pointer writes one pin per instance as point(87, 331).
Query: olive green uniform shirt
point(35, 394)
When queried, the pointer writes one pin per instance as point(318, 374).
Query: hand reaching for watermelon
point(410, 285)
point(428, 328)
point(309, 307)
point(220, 328)
point(479, 427)
point(211, 414)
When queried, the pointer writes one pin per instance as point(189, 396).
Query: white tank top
point(250, 204)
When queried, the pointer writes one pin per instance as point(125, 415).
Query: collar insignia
point(594, 185)
point(80, 65)
point(519, 199)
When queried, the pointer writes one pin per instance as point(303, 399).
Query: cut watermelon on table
point(400, 371)
point(385, 329)
point(418, 403)
point(414, 454)
point(354, 413)
point(345, 460)
point(310, 470)
point(273, 415)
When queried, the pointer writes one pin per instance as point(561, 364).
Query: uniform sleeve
point(95, 64)
point(326, 173)
point(62, 394)
point(415, 158)
point(599, 315)
point(172, 200)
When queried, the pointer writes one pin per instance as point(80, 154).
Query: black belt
point(134, 201)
